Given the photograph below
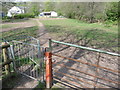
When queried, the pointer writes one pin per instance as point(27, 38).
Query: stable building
point(49, 14)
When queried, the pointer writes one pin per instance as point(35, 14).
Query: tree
point(49, 6)
point(112, 11)
point(88, 11)
point(23, 4)
point(35, 8)
point(92, 4)
point(32, 8)
point(6, 6)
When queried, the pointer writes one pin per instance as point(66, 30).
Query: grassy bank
point(95, 35)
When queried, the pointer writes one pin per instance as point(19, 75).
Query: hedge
point(21, 16)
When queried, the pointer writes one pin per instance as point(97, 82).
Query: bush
point(115, 22)
point(6, 19)
point(112, 11)
point(109, 23)
point(21, 16)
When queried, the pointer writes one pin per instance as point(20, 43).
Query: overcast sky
point(61, 0)
point(22, 0)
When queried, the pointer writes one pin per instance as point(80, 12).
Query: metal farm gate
point(72, 65)
point(81, 67)
point(28, 57)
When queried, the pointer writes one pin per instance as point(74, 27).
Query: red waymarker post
point(48, 69)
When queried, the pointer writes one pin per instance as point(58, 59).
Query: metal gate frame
point(39, 57)
point(49, 73)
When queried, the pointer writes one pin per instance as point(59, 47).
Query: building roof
point(49, 12)
point(16, 7)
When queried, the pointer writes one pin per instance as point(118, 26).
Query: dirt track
point(17, 25)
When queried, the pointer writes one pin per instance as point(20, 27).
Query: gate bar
point(89, 74)
point(86, 48)
point(71, 82)
point(77, 78)
point(87, 63)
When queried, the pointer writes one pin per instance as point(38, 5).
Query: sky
point(22, 0)
point(61, 0)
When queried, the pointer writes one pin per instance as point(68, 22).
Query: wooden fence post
point(6, 57)
point(48, 69)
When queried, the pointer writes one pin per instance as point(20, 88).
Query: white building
point(49, 14)
point(15, 10)
point(54, 14)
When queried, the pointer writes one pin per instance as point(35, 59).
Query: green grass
point(96, 34)
point(75, 24)
point(40, 86)
point(4, 26)
point(16, 34)
point(14, 20)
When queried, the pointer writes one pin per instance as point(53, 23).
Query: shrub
point(112, 12)
point(21, 16)
point(109, 23)
point(5, 18)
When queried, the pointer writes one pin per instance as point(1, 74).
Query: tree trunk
point(92, 12)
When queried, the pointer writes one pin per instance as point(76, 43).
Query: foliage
point(7, 5)
point(86, 11)
point(35, 8)
point(23, 5)
point(39, 86)
point(49, 6)
point(35, 11)
point(110, 23)
point(89, 11)
point(26, 15)
point(6, 19)
point(112, 11)
point(18, 16)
